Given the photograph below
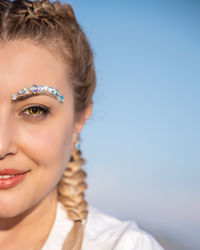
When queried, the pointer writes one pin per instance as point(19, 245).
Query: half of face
point(37, 130)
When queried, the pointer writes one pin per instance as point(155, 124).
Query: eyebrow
point(24, 97)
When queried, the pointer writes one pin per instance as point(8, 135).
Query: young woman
point(47, 80)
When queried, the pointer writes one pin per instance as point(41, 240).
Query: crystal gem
point(61, 98)
point(34, 88)
point(43, 88)
point(56, 93)
point(19, 92)
point(78, 146)
point(25, 90)
point(51, 90)
point(13, 97)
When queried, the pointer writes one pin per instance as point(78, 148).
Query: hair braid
point(70, 193)
point(72, 186)
point(45, 9)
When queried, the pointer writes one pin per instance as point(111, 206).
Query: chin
point(10, 206)
point(7, 212)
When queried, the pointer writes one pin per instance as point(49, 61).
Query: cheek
point(50, 147)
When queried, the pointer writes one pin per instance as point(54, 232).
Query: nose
point(7, 145)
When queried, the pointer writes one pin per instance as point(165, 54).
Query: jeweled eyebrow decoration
point(37, 90)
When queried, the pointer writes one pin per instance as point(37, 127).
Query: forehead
point(22, 64)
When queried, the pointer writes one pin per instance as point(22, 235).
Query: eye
point(36, 111)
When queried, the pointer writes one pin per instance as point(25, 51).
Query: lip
point(6, 183)
point(9, 171)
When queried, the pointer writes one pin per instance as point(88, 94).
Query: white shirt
point(101, 232)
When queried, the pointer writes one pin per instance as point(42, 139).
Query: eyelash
point(42, 108)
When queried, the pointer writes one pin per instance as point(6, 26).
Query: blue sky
point(142, 142)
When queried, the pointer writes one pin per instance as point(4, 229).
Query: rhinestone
point(61, 98)
point(56, 93)
point(19, 92)
point(43, 88)
point(78, 146)
point(25, 90)
point(34, 88)
point(51, 90)
point(13, 97)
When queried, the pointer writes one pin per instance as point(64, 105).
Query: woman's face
point(41, 143)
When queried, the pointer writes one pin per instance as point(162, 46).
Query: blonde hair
point(54, 26)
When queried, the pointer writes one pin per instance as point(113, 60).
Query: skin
point(37, 143)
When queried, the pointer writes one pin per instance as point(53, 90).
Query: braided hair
point(54, 26)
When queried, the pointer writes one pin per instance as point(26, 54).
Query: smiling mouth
point(11, 180)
